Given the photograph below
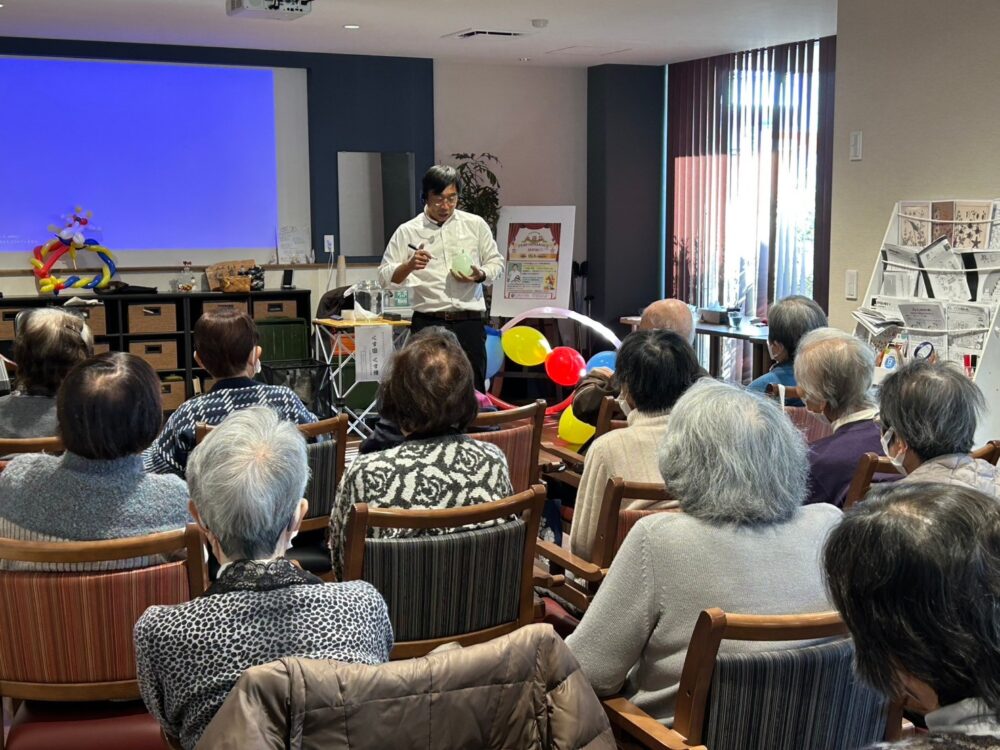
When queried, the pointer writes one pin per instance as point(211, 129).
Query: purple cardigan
point(833, 460)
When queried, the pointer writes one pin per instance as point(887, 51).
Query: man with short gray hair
point(247, 479)
point(834, 371)
point(664, 314)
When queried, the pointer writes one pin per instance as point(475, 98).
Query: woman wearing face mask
point(225, 343)
point(654, 369)
point(834, 371)
point(928, 416)
point(788, 319)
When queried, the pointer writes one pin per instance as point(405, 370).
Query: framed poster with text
point(537, 245)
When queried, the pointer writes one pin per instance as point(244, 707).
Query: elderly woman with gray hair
point(929, 413)
point(247, 479)
point(743, 543)
point(834, 371)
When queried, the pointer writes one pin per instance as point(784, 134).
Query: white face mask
point(256, 367)
point(623, 404)
point(897, 460)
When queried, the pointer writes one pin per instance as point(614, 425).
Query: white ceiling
point(579, 32)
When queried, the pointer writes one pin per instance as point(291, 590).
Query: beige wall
point(919, 79)
point(534, 119)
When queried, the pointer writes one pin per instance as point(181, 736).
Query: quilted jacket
point(523, 691)
point(959, 468)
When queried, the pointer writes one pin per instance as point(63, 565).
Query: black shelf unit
point(114, 329)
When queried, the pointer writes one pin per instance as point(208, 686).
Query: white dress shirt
point(433, 289)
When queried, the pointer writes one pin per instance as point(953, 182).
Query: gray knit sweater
point(634, 636)
point(23, 416)
point(60, 498)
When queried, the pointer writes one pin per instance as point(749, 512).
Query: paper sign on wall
point(537, 245)
point(372, 349)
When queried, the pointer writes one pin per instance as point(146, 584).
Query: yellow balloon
point(525, 345)
point(572, 430)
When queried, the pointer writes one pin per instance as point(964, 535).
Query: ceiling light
point(351, 26)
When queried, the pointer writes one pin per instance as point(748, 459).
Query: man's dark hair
point(109, 406)
point(656, 366)
point(49, 343)
point(791, 318)
point(934, 407)
point(428, 389)
point(223, 340)
point(437, 178)
point(915, 573)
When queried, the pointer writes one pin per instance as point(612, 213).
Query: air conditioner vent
point(484, 34)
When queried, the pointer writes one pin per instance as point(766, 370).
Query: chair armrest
point(546, 580)
point(579, 567)
point(563, 454)
point(636, 723)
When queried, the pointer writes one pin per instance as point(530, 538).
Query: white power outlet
point(851, 284)
point(328, 245)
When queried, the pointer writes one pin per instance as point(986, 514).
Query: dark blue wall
point(356, 103)
point(624, 188)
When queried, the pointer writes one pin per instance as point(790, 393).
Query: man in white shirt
point(426, 255)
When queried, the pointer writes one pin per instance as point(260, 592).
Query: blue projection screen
point(168, 157)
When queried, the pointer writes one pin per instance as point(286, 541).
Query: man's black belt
point(451, 316)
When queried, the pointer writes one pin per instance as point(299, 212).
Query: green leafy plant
point(480, 192)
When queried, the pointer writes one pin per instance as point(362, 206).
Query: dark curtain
point(749, 157)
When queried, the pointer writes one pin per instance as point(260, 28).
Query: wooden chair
point(784, 699)
point(327, 459)
point(614, 523)
point(610, 416)
point(567, 465)
point(10, 446)
point(66, 638)
point(519, 437)
point(453, 585)
point(871, 464)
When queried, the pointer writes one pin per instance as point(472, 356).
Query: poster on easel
point(537, 245)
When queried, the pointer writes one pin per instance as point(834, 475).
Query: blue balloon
point(494, 352)
point(603, 359)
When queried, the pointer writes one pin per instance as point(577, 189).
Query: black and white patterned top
point(440, 472)
point(169, 452)
point(189, 656)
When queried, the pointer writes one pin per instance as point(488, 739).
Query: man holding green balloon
point(444, 256)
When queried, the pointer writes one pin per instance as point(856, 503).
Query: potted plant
point(480, 192)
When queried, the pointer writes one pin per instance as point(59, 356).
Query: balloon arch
point(564, 365)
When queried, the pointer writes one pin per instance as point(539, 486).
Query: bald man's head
point(670, 314)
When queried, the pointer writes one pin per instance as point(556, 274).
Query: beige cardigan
point(630, 453)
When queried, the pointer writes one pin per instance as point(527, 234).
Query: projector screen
point(168, 157)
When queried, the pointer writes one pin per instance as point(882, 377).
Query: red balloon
point(565, 366)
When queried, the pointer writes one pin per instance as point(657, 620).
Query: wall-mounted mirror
point(377, 193)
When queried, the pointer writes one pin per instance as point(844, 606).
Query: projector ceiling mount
point(277, 10)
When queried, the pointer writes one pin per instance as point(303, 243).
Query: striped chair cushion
point(73, 627)
point(322, 488)
point(515, 442)
point(803, 698)
point(448, 584)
